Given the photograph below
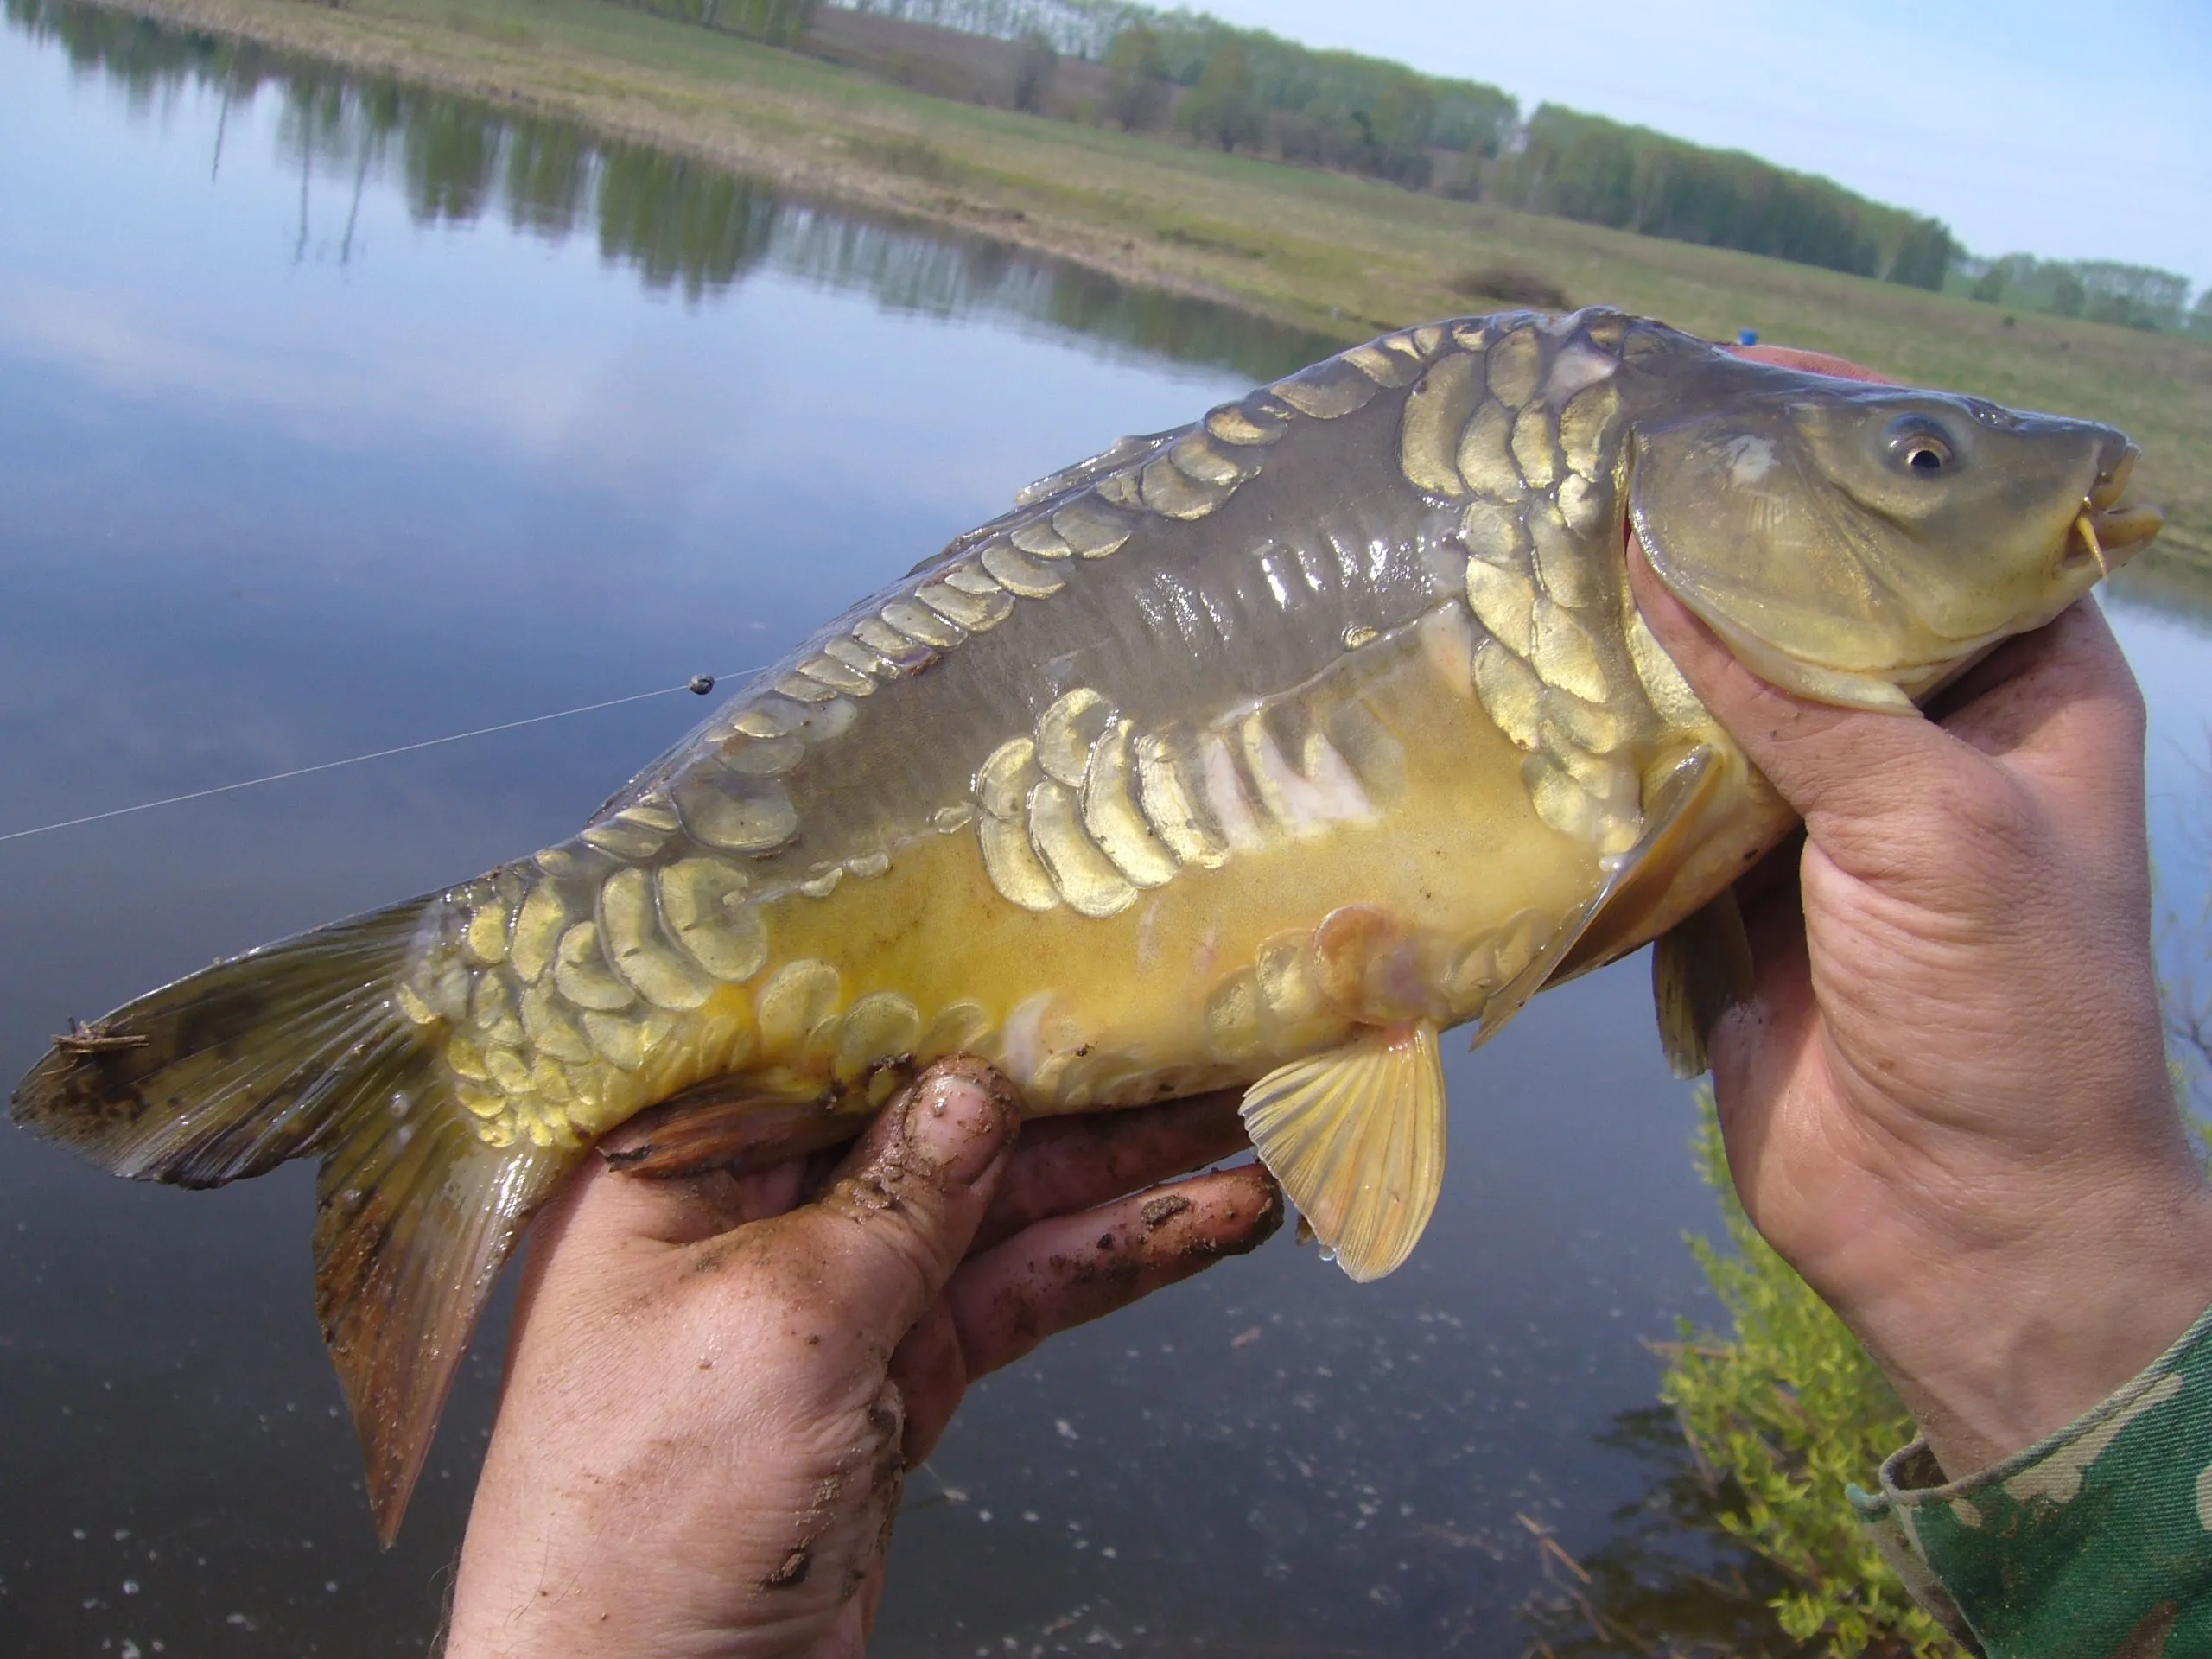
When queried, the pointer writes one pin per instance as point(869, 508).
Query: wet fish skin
point(1253, 753)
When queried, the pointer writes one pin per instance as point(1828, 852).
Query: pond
point(339, 416)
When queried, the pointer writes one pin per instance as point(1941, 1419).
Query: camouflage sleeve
point(2096, 1542)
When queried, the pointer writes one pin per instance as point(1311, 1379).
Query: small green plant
point(1778, 1416)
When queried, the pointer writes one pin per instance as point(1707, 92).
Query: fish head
point(1861, 544)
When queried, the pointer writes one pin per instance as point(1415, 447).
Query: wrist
point(1997, 1336)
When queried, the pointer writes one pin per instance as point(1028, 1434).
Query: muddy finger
point(931, 1374)
point(1064, 1164)
point(1071, 1269)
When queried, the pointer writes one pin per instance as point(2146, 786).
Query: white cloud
point(324, 396)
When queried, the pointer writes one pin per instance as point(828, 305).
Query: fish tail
point(307, 1048)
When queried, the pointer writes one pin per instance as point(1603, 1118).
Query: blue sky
point(2066, 130)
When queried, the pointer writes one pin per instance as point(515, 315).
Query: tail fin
point(301, 1048)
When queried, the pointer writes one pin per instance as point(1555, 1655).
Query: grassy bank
point(1344, 256)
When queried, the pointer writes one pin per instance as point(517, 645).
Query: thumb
point(1848, 772)
point(902, 1210)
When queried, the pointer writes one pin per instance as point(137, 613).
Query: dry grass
point(1346, 257)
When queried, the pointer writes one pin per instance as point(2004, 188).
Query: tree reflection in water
point(679, 223)
point(548, 176)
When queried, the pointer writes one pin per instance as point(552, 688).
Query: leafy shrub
point(1783, 1413)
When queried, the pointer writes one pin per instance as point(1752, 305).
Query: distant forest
point(1583, 167)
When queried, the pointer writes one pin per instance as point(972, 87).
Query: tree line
point(2102, 290)
point(1244, 89)
point(1583, 167)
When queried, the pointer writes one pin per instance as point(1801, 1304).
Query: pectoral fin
point(1620, 918)
point(1355, 1136)
point(1699, 968)
point(1615, 919)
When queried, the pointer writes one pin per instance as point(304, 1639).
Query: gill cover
point(1856, 544)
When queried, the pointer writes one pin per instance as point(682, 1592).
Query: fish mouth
point(2103, 530)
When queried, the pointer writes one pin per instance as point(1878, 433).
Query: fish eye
point(1919, 446)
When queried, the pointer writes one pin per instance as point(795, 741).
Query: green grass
point(1343, 256)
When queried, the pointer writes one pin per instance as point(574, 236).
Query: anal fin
point(412, 1231)
point(727, 1124)
point(1699, 968)
point(1355, 1136)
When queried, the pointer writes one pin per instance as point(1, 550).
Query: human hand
point(1946, 1102)
point(712, 1390)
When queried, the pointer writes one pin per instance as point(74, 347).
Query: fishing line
point(698, 685)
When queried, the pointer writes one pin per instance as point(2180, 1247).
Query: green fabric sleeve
point(2093, 1544)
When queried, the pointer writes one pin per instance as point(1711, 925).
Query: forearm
point(2095, 1542)
point(1997, 1335)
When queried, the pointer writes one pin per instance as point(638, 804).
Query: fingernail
point(955, 1124)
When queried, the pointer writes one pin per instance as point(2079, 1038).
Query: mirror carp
point(1251, 755)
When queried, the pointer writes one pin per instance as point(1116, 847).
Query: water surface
point(336, 416)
